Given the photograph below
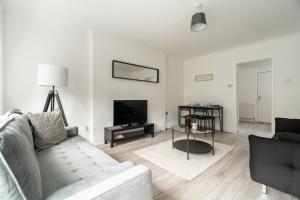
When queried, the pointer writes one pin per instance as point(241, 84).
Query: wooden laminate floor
point(228, 179)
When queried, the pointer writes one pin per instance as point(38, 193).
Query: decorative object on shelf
point(53, 76)
point(198, 20)
point(194, 126)
point(187, 122)
point(135, 72)
point(204, 77)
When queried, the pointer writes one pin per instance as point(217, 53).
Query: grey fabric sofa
point(73, 169)
point(275, 162)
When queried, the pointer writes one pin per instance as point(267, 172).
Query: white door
point(264, 96)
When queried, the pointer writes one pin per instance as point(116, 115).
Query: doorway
point(254, 97)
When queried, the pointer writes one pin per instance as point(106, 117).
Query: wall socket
point(288, 80)
point(230, 85)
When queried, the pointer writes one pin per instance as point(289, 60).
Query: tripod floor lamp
point(53, 76)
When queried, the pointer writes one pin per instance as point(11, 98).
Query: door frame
point(273, 91)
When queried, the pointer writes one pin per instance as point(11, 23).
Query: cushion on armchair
point(287, 125)
point(289, 136)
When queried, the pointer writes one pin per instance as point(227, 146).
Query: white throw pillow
point(49, 129)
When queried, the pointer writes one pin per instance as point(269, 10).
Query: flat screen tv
point(127, 112)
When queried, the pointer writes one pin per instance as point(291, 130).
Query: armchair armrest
point(72, 131)
point(271, 162)
point(132, 184)
point(289, 137)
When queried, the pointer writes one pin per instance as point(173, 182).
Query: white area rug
point(175, 161)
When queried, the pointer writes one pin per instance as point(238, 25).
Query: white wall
point(284, 52)
point(88, 55)
point(174, 88)
point(106, 88)
point(27, 44)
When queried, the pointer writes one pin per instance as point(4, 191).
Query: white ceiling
point(256, 63)
point(165, 24)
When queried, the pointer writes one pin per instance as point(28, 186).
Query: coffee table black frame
point(193, 146)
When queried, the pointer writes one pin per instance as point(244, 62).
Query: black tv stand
point(132, 125)
point(125, 125)
point(121, 133)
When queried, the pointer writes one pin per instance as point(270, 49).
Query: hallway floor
point(255, 128)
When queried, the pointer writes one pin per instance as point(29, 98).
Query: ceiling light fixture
point(198, 19)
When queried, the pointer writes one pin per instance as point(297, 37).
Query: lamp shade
point(51, 75)
point(198, 22)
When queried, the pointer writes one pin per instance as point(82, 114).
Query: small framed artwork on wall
point(204, 77)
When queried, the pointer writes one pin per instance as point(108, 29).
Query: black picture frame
point(117, 61)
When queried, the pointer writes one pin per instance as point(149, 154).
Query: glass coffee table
point(191, 145)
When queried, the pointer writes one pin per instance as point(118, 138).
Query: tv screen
point(130, 111)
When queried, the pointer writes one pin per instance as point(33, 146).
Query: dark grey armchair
point(275, 162)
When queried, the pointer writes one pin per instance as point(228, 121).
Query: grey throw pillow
point(49, 129)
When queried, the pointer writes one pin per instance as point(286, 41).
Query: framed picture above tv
point(134, 72)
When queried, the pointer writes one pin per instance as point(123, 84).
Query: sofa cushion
point(49, 129)
point(289, 136)
point(89, 182)
point(71, 161)
point(19, 174)
point(287, 125)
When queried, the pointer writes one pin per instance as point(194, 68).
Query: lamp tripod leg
point(48, 101)
point(53, 99)
point(61, 108)
point(52, 103)
point(52, 95)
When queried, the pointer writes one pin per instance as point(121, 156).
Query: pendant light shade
point(198, 22)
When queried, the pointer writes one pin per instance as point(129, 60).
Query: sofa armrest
point(72, 131)
point(132, 184)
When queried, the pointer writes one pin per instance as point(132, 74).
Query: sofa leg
point(264, 189)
